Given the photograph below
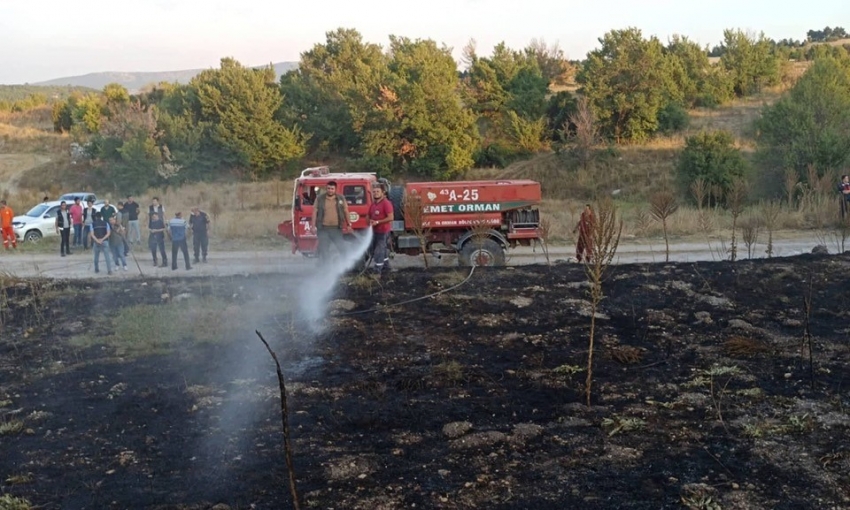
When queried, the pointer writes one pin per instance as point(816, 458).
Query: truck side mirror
point(297, 203)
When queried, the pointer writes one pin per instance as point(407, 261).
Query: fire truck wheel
point(485, 253)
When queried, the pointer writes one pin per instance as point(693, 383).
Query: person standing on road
point(585, 234)
point(381, 215)
point(63, 228)
point(100, 233)
point(88, 221)
point(199, 223)
point(844, 189)
point(131, 210)
point(156, 239)
point(122, 215)
point(117, 243)
point(76, 212)
point(177, 234)
point(330, 219)
point(6, 229)
point(157, 208)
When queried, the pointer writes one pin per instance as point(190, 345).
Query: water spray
point(316, 294)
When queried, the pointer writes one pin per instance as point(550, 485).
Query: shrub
point(672, 118)
point(712, 156)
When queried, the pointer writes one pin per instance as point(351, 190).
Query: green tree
point(561, 106)
point(818, 51)
point(700, 82)
point(627, 81)
point(712, 156)
point(750, 61)
point(332, 91)
point(116, 93)
point(417, 122)
point(505, 83)
point(689, 67)
point(88, 113)
point(240, 103)
point(811, 124)
point(127, 148)
point(63, 115)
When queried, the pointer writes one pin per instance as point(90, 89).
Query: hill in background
point(135, 81)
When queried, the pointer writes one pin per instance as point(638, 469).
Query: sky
point(45, 39)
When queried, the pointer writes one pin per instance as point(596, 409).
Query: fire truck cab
point(356, 188)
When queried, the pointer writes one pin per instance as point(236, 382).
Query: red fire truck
point(479, 220)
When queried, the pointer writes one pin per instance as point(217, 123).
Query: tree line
point(407, 108)
point(21, 98)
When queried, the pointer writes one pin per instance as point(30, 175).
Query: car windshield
point(38, 211)
point(69, 197)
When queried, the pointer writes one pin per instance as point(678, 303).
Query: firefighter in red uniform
point(585, 234)
point(6, 230)
point(381, 218)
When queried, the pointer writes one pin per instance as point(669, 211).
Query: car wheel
point(33, 236)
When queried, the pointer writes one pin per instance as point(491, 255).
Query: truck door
point(359, 200)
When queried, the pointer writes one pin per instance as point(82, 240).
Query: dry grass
point(634, 170)
point(31, 132)
point(243, 210)
point(14, 139)
point(736, 117)
point(38, 118)
point(562, 216)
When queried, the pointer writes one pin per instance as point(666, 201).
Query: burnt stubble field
point(158, 394)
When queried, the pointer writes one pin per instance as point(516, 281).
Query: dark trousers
point(182, 246)
point(330, 236)
point(380, 251)
point(158, 243)
point(200, 243)
point(78, 234)
point(86, 232)
point(65, 243)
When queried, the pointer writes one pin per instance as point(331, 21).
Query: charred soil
point(157, 394)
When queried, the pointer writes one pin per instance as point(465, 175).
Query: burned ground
point(472, 398)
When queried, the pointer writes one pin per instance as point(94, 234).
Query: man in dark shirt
point(157, 208)
point(107, 211)
point(99, 234)
point(199, 223)
point(63, 227)
point(156, 239)
point(131, 209)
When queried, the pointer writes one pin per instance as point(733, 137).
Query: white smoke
point(316, 295)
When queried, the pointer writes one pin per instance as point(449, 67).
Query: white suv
point(39, 222)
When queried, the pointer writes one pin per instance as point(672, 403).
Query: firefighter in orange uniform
point(6, 215)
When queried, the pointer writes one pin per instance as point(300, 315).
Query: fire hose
point(408, 301)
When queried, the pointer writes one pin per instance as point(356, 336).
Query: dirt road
point(281, 261)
